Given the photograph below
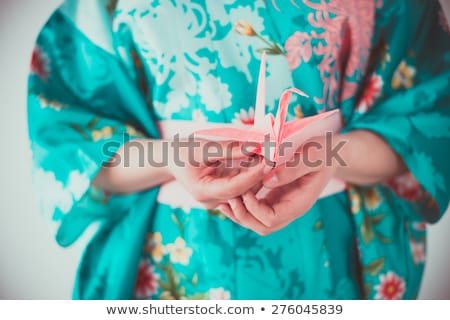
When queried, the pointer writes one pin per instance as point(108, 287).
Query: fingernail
point(272, 181)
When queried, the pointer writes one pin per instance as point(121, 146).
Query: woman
point(111, 79)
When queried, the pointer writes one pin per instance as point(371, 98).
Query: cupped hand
point(215, 173)
point(294, 188)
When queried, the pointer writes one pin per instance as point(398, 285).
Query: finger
point(245, 218)
point(296, 201)
point(293, 201)
point(228, 187)
point(226, 210)
point(287, 173)
point(256, 188)
point(238, 150)
point(270, 226)
point(260, 210)
point(280, 226)
point(207, 152)
point(223, 171)
point(208, 205)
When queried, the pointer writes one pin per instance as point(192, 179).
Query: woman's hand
point(213, 179)
point(294, 188)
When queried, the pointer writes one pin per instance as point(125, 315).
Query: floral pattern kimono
point(106, 72)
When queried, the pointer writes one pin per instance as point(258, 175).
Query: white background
point(31, 264)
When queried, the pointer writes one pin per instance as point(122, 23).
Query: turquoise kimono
point(107, 72)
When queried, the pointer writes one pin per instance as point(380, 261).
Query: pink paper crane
point(277, 139)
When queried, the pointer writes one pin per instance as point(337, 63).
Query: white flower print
point(179, 253)
point(244, 117)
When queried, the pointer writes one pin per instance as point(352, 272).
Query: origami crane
point(275, 138)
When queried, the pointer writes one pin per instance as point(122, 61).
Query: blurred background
point(32, 266)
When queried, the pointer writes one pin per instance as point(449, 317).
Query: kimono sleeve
point(406, 100)
point(83, 105)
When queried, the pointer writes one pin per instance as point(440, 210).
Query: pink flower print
point(298, 49)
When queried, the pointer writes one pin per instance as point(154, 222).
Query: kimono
point(106, 72)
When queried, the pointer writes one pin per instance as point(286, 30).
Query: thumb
point(234, 150)
point(286, 173)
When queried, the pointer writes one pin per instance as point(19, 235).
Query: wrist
point(158, 156)
point(166, 152)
